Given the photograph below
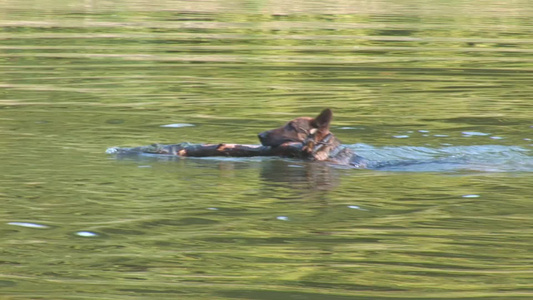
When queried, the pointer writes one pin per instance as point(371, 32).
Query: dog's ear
point(323, 119)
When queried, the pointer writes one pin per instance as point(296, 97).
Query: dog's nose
point(261, 136)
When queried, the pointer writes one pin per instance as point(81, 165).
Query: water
point(446, 84)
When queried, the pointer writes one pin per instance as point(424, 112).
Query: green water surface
point(400, 76)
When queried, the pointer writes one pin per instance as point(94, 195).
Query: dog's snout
point(262, 136)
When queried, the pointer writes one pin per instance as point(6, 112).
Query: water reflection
point(306, 176)
point(298, 175)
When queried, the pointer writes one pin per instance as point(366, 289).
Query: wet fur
point(319, 144)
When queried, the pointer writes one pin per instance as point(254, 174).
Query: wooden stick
point(293, 150)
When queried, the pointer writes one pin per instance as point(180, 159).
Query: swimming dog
point(319, 144)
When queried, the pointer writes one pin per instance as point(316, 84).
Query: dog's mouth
point(279, 143)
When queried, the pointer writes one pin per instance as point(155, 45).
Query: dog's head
point(302, 130)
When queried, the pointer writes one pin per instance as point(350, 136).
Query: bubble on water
point(423, 131)
point(471, 196)
point(355, 207)
point(294, 166)
point(86, 234)
point(212, 208)
point(496, 137)
point(400, 136)
point(28, 225)
point(177, 125)
point(474, 133)
point(282, 218)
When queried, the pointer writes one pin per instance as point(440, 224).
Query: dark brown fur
point(318, 142)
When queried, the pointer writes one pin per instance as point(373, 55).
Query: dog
point(319, 144)
point(303, 137)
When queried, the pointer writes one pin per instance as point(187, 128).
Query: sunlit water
point(437, 93)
